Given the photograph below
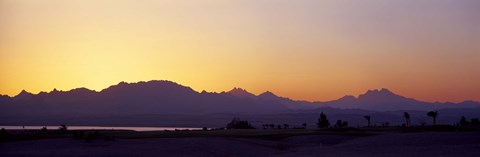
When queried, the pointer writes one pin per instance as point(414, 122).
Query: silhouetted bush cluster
point(3, 132)
point(472, 122)
point(341, 124)
point(239, 124)
point(323, 121)
point(63, 127)
point(475, 122)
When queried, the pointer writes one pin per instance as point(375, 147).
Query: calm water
point(99, 128)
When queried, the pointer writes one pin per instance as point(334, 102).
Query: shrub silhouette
point(63, 127)
point(406, 115)
point(464, 122)
point(323, 121)
point(3, 132)
point(367, 117)
point(271, 126)
point(286, 126)
point(43, 129)
point(341, 124)
point(434, 115)
point(304, 125)
point(239, 124)
point(475, 122)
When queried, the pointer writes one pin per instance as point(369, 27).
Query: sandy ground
point(392, 144)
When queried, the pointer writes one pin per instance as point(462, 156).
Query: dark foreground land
point(223, 143)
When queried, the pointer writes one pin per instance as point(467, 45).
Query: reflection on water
point(99, 128)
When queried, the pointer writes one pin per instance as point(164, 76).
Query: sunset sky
point(302, 49)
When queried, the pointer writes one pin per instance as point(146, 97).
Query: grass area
point(240, 133)
point(270, 134)
point(267, 134)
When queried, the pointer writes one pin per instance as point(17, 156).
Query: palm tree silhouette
point(368, 119)
point(406, 115)
point(434, 115)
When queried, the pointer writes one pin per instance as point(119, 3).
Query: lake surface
point(99, 128)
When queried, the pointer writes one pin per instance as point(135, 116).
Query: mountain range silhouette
point(167, 97)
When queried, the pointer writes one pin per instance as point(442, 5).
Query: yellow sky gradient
point(311, 50)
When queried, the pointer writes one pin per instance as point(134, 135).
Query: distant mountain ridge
point(167, 97)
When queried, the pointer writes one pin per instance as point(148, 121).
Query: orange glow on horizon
point(304, 50)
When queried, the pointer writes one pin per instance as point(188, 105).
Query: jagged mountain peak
point(240, 92)
point(381, 90)
point(379, 93)
point(267, 94)
point(55, 90)
point(237, 89)
point(23, 92)
point(23, 95)
point(206, 92)
point(147, 86)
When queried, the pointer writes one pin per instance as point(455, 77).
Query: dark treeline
point(324, 122)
